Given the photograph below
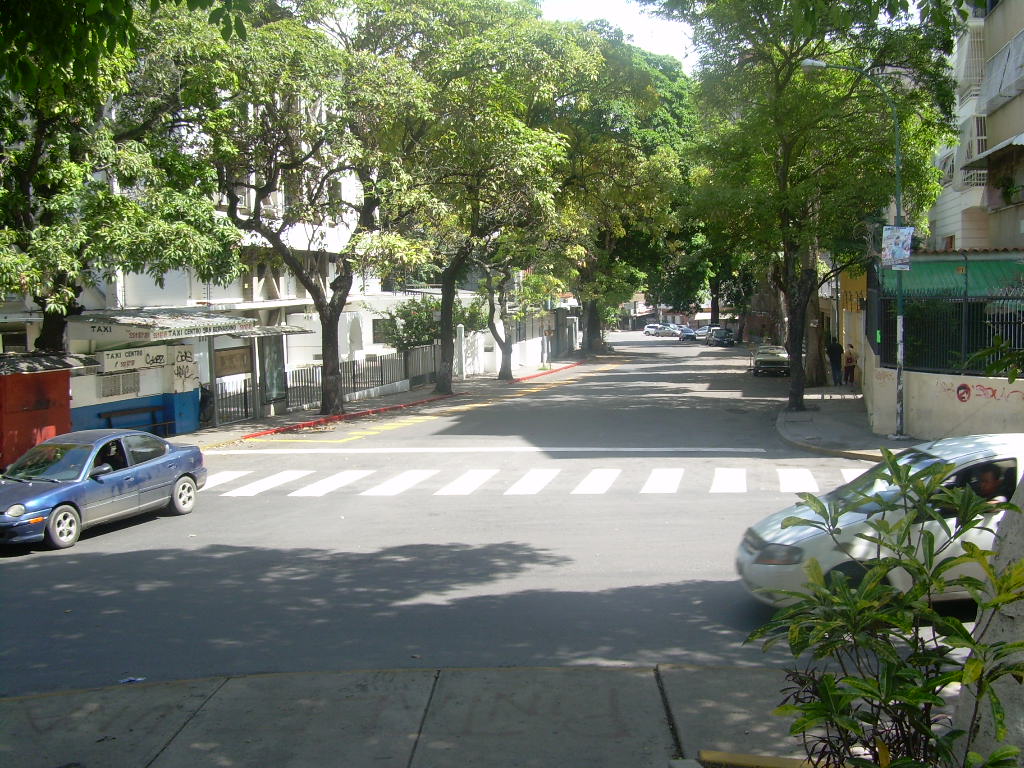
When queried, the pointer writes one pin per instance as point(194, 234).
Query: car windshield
point(875, 480)
point(51, 461)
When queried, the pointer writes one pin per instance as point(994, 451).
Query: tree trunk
point(496, 307)
point(591, 327)
point(814, 366)
point(449, 279)
point(51, 334)
point(796, 306)
point(505, 370)
point(332, 391)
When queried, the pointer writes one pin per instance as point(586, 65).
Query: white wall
point(941, 405)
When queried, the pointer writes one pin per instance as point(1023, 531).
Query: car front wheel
point(63, 528)
point(183, 499)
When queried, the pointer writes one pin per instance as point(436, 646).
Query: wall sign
point(232, 361)
point(115, 360)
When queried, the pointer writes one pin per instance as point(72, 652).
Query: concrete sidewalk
point(591, 717)
point(835, 423)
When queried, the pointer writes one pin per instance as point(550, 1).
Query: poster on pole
point(896, 247)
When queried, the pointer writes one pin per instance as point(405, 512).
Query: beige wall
point(939, 405)
point(1007, 121)
point(1006, 227)
point(1002, 25)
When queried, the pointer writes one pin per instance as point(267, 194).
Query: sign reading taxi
point(115, 360)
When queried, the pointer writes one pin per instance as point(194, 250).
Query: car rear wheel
point(183, 499)
point(63, 528)
point(854, 572)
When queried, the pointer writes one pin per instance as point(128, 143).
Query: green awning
point(984, 279)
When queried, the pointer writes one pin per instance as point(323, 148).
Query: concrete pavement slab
point(125, 726)
point(305, 720)
point(728, 709)
point(519, 717)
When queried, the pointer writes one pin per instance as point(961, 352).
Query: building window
point(116, 384)
point(381, 325)
point(949, 243)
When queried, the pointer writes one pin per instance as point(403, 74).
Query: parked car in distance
point(721, 337)
point(701, 334)
point(771, 558)
point(771, 358)
point(651, 329)
point(74, 481)
point(667, 330)
point(686, 333)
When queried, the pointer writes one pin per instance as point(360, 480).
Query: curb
point(712, 759)
point(345, 416)
point(545, 373)
point(864, 455)
point(383, 409)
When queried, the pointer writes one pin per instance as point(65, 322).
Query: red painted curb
point(344, 417)
point(372, 411)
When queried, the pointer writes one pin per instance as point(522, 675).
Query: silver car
point(772, 558)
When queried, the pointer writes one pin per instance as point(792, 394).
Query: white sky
point(654, 34)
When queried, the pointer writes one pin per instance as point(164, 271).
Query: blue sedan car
point(75, 481)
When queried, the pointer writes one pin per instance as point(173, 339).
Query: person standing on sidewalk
point(849, 365)
point(835, 357)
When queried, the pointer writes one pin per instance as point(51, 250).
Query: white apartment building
point(981, 207)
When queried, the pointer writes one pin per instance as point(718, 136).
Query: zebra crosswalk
point(598, 481)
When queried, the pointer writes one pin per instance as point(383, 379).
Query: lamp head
point(808, 64)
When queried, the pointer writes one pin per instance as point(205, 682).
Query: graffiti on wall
point(965, 392)
point(185, 372)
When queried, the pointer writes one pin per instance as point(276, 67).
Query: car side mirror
point(100, 470)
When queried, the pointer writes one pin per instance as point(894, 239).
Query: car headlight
point(779, 554)
point(15, 510)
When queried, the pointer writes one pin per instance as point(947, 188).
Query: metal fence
point(304, 387)
point(421, 364)
point(942, 332)
point(234, 401)
point(418, 365)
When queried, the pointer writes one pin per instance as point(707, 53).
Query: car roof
point(93, 436)
point(967, 447)
point(775, 348)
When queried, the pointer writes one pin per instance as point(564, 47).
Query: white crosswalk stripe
point(220, 478)
point(852, 473)
point(266, 483)
point(279, 478)
point(400, 482)
point(332, 483)
point(532, 482)
point(796, 480)
point(729, 480)
point(657, 480)
point(597, 481)
point(663, 481)
point(467, 482)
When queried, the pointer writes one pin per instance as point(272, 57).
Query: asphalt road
point(587, 517)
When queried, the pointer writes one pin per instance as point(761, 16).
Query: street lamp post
point(808, 64)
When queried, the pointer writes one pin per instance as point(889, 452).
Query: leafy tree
point(489, 171)
point(301, 133)
point(795, 163)
point(622, 174)
point(59, 44)
point(94, 184)
point(416, 322)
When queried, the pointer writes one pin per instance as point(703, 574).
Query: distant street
point(587, 517)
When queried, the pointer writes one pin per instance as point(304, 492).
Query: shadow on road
point(89, 619)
